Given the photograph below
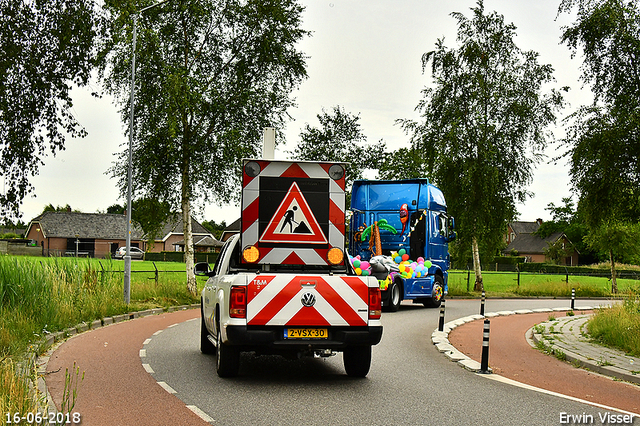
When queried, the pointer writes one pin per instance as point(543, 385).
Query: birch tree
point(211, 74)
point(483, 126)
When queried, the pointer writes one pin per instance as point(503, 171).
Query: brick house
point(521, 238)
point(90, 234)
point(172, 234)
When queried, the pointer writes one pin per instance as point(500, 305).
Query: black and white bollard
point(482, 304)
point(441, 323)
point(573, 298)
point(484, 362)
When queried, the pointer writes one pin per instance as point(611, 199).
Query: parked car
point(135, 252)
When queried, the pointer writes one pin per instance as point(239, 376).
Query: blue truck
point(417, 211)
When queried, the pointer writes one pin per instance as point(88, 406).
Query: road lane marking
point(198, 412)
point(167, 387)
point(147, 368)
point(508, 381)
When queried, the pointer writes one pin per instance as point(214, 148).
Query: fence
point(546, 269)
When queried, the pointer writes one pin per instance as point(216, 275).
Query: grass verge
point(618, 326)
point(44, 295)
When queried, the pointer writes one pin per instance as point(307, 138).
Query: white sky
point(364, 56)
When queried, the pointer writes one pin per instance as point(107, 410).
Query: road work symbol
point(293, 221)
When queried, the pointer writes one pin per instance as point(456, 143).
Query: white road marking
point(204, 416)
point(167, 387)
point(147, 368)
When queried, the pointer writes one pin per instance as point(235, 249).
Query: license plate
point(305, 333)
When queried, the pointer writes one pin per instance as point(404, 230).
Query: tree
point(45, 46)
point(339, 138)
point(211, 76)
point(558, 250)
point(617, 239)
point(483, 126)
point(603, 137)
point(215, 228)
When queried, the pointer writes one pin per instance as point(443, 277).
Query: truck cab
point(425, 234)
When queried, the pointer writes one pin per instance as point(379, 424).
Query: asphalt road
point(409, 383)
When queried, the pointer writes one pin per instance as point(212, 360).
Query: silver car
point(135, 253)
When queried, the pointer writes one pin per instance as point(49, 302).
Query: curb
point(441, 338)
point(53, 340)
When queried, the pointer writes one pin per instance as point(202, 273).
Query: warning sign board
point(293, 211)
point(293, 221)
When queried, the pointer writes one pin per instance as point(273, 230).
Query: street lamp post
point(127, 256)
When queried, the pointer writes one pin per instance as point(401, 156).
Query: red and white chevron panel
point(290, 251)
point(277, 300)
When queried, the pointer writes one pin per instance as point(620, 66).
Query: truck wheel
point(206, 347)
point(228, 361)
point(436, 293)
point(394, 297)
point(357, 360)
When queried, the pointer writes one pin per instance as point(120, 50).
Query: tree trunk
point(478, 286)
point(614, 283)
point(192, 285)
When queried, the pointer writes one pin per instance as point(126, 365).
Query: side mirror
point(202, 269)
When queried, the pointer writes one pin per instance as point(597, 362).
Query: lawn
point(505, 284)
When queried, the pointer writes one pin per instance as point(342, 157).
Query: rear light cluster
point(238, 302)
point(375, 303)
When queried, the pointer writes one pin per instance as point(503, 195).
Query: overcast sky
point(364, 55)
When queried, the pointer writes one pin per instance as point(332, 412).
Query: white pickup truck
point(282, 289)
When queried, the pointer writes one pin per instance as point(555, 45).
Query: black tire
point(228, 361)
point(436, 294)
point(357, 360)
point(206, 347)
point(394, 297)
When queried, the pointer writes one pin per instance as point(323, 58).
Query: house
point(172, 234)
point(521, 239)
point(202, 244)
point(230, 230)
point(82, 234)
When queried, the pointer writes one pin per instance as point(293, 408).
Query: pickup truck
point(275, 290)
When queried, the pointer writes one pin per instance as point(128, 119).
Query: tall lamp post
point(127, 256)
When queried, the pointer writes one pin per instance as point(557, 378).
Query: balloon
point(394, 254)
point(402, 252)
point(364, 265)
point(421, 259)
point(405, 257)
point(358, 271)
point(397, 259)
point(427, 264)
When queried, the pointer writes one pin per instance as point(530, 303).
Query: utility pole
point(127, 256)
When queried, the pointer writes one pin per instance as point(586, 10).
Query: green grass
point(618, 326)
point(44, 295)
point(505, 284)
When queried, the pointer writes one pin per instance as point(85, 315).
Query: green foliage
point(621, 239)
point(45, 45)
point(618, 326)
point(558, 250)
point(339, 138)
point(210, 76)
point(485, 112)
point(215, 228)
point(602, 138)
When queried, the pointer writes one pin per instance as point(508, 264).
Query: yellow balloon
point(358, 271)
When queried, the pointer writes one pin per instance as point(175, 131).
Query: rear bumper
point(271, 339)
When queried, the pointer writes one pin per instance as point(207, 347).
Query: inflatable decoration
point(361, 267)
point(404, 216)
point(373, 232)
point(409, 268)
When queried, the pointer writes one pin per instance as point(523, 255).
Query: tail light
point(375, 303)
point(238, 302)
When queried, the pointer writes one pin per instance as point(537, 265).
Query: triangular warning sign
point(293, 222)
